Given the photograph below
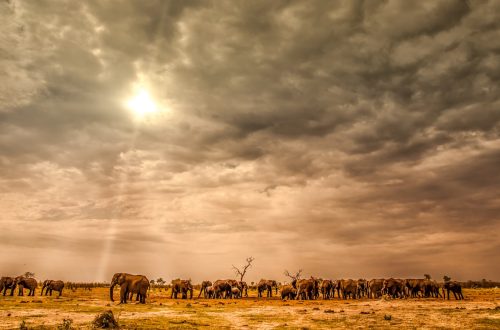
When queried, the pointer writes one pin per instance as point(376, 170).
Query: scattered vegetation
point(22, 325)
point(105, 320)
point(67, 324)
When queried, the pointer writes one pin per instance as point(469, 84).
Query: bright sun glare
point(142, 104)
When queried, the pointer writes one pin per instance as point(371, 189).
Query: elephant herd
point(375, 288)
point(311, 288)
point(223, 289)
point(29, 283)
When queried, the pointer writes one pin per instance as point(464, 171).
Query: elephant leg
point(123, 293)
point(60, 293)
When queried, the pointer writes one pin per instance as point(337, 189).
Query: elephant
point(28, 283)
point(362, 288)
point(415, 287)
point(336, 287)
point(266, 285)
point(288, 292)
point(7, 283)
point(375, 288)
point(50, 285)
point(454, 287)
point(182, 287)
point(235, 285)
point(306, 288)
point(349, 288)
point(432, 289)
point(244, 288)
point(129, 283)
point(235, 292)
point(394, 287)
point(222, 288)
point(327, 289)
point(210, 292)
point(203, 289)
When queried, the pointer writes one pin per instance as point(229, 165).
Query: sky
point(177, 138)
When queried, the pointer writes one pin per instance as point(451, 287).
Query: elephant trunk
point(111, 291)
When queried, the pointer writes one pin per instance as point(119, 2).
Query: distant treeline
point(480, 284)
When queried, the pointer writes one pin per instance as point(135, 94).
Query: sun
point(142, 104)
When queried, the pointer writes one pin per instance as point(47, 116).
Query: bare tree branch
point(242, 273)
point(295, 277)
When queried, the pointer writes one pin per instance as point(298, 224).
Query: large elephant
point(362, 288)
point(327, 289)
point(129, 283)
point(7, 283)
point(454, 287)
point(222, 288)
point(288, 292)
point(236, 288)
point(394, 288)
point(203, 289)
point(375, 288)
point(266, 285)
point(51, 285)
point(182, 287)
point(348, 288)
point(26, 283)
point(432, 289)
point(306, 288)
point(416, 287)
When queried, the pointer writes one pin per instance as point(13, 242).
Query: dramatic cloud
point(347, 138)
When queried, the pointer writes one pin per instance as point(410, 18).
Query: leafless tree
point(295, 277)
point(241, 273)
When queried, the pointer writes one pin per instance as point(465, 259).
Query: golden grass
point(480, 310)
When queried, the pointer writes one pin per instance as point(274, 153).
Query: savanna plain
point(77, 309)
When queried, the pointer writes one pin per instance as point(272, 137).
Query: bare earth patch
point(480, 310)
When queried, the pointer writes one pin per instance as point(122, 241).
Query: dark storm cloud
point(362, 125)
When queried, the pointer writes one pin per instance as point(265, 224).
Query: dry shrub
point(105, 320)
point(67, 324)
point(23, 326)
